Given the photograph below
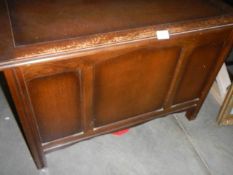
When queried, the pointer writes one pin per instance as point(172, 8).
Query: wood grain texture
point(28, 122)
point(56, 102)
point(196, 72)
point(61, 23)
point(228, 44)
point(86, 68)
point(121, 86)
point(71, 16)
point(133, 83)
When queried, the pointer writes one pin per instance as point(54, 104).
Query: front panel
point(82, 96)
point(133, 83)
point(201, 62)
point(54, 90)
point(56, 103)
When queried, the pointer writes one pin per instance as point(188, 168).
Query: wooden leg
point(191, 114)
point(28, 123)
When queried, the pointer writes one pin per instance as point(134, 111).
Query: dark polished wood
point(28, 122)
point(78, 69)
point(71, 17)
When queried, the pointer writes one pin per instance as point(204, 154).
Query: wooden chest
point(82, 68)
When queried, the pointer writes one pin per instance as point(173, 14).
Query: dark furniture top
point(43, 21)
point(31, 30)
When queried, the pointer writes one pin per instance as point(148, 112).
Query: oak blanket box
point(81, 68)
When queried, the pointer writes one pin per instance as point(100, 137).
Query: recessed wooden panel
point(56, 103)
point(200, 64)
point(132, 84)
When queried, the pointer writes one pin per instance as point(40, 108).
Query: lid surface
point(43, 21)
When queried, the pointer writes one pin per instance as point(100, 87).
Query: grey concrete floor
point(170, 145)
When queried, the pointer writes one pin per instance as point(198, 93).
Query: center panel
point(132, 84)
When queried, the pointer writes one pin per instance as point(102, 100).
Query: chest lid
point(43, 21)
point(40, 30)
